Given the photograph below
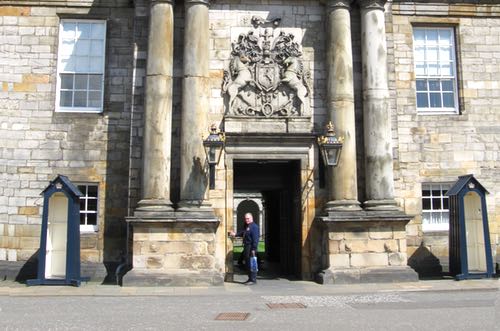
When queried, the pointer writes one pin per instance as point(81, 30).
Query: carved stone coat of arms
point(266, 77)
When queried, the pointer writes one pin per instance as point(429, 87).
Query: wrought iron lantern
point(330, 146)
point(214, 144)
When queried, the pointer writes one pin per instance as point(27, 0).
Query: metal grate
point(232, 316)
point(286, 305)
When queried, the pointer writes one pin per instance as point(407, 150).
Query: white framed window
point(80, 65)
point(435, 70)
point(89, 207)
point(435, 209)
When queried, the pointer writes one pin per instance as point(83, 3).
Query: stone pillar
point(158, 110)
point(376, 112)
point(195, 101)
point(343, 179)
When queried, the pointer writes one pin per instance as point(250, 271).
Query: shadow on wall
point(426, 264)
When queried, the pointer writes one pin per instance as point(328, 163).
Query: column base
point(154, 206)
point(342, 205)
point(385, 204)
point(367, 275)
point(173, 278)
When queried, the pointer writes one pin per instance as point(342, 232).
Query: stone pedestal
point(174, 251)
point(364, 247)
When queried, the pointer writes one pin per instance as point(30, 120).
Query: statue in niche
point(266, 76)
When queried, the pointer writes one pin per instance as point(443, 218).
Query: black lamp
point(214, 144)
point(330, 146)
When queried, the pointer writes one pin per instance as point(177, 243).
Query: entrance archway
point(279, 183)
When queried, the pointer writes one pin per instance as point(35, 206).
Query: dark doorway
point(279, 183)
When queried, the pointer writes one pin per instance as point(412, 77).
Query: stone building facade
point(171, 68)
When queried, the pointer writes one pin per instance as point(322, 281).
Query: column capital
point(336, 4)
point(194, 2)
point(372, 4)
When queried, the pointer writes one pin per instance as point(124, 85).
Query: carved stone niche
point(266, 88)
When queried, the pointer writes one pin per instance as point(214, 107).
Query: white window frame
point(441, 214)
point(60, 70)
point(89, 227)
point(439, 64)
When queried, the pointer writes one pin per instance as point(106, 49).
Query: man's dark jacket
point(251, 236)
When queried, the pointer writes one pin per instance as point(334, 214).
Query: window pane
point(426, 217)
point(95, 99)
point(447, 85)
point(66, 81)
point(432, 36)
point(98, 31)
point(95, 82)
point(445, 36)
point(92, 204)
point(67, 47)
point(421, 85)
point(82, 64)
point(432, 69)
point(426, 204)
point(95, 64)
point(92, 191)
point(83, 189)
point(448, 100)
point(432, 54)
point(420, 69)
point(436, 203)
point(92, 219)
point(422, 101)
point(434, 85)
point(82, 205)
point(446, 69)
point(68, 64)
point(96, 47)
point(82, 47)
point(80, 99)
point(445, 54)
point(68, 30)
point(82, 219)
point(66, 99)
point(426, 193)
point(435, 99)
point(81, 82)
point(419, 36)
point(420, 53)
point(83, 31)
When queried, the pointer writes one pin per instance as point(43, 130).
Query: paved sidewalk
point(268, 287)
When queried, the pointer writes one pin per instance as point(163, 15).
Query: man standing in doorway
point(250, 242)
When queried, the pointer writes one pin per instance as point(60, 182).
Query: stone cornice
point(69, 3)
point(372, 4)
point(336, 4)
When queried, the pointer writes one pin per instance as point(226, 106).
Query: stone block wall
point(439, 148)
point(370, 244)
point(176, 247)
point(37, 143)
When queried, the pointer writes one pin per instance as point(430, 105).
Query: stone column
point(343, 179)
point(158, 110)
point(195, 101)
point(376, 112)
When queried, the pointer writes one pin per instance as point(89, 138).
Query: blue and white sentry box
point(59, 254)
point(470, 246)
